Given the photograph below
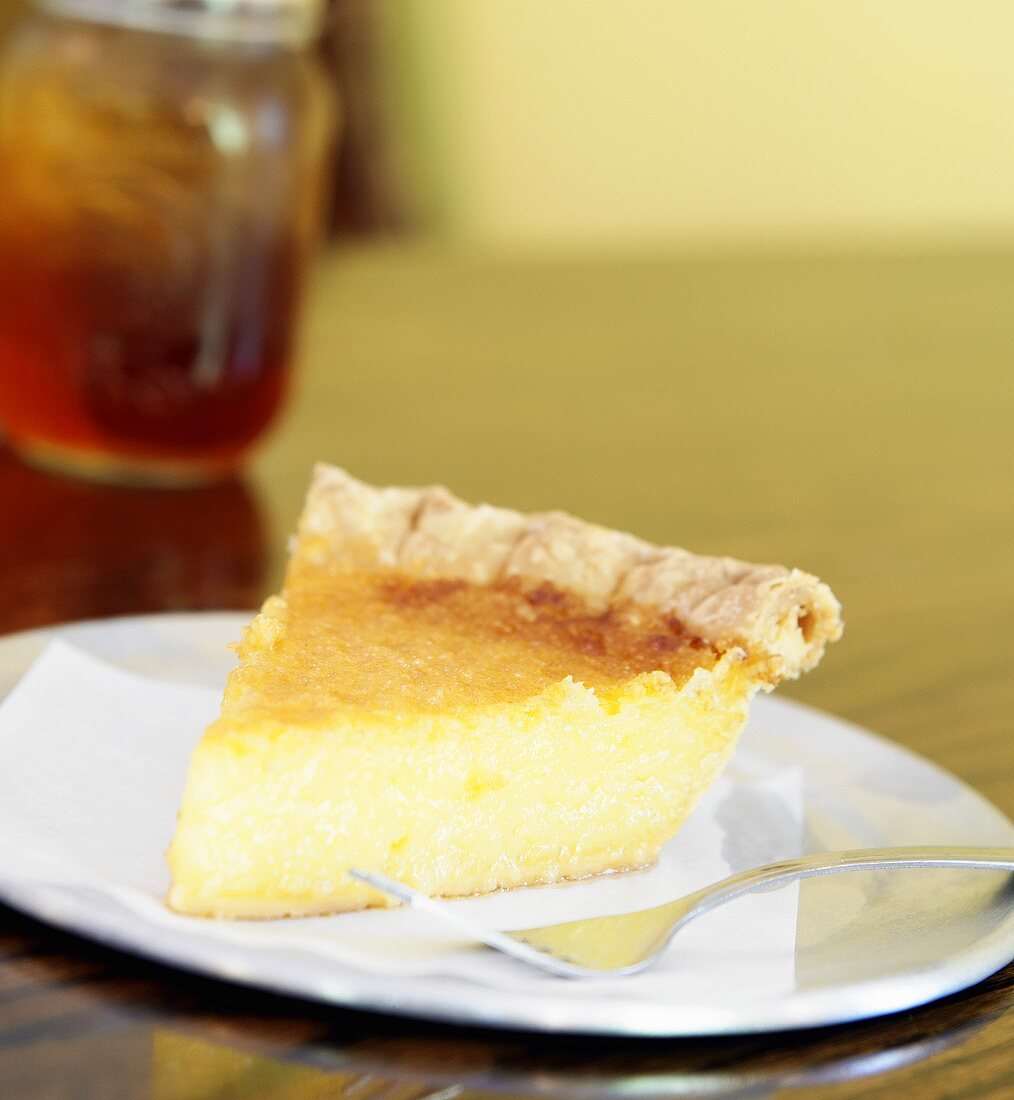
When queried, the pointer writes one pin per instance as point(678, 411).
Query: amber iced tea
point(159, 203)
point(90, 360)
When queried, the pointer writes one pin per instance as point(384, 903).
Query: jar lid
point(237, 20)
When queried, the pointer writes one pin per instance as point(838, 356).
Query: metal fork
point(612, 947)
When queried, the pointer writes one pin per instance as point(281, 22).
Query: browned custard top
point(386, 641)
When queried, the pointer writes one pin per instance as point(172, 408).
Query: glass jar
point(162, 170)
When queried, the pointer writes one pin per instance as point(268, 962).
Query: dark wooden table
point(850, 414)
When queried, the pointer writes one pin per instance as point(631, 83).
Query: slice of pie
point(468, 699)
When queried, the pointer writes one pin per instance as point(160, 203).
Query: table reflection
point(188, 1067)
point(73, 549)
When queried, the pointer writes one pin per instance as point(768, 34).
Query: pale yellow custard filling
point(458, 737)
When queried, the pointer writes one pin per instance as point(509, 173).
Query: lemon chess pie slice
point(467, 699)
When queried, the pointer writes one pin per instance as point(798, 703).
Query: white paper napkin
point(92, 765)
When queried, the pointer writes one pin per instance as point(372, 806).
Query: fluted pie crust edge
point(782, 618)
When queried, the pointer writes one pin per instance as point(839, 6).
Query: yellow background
point(576, 122)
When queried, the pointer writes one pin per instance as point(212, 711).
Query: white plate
point(866, 944)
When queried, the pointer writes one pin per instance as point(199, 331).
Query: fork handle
point(831, 863)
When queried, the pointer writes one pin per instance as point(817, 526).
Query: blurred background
point(580, 126)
